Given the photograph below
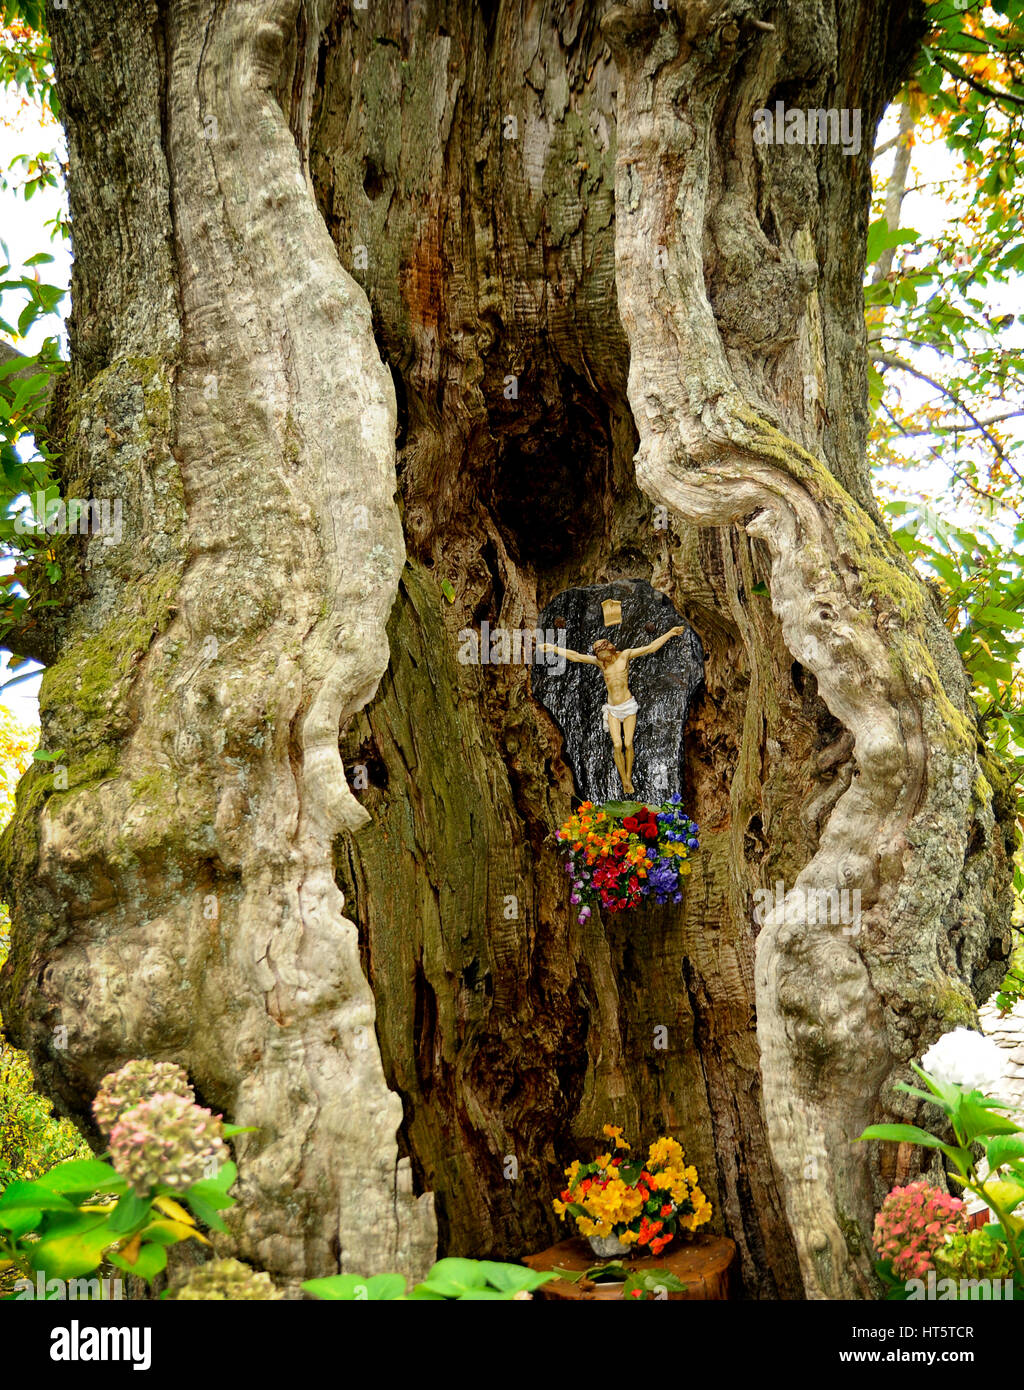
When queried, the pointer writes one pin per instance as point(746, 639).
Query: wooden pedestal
point(702, 1263)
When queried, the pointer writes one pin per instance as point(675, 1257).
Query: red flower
point(666, 1210)
point(637, 1293)
point(634, 883)
point(630, 823)
point(657, 1246)
point(620, 849)
point(650, 831)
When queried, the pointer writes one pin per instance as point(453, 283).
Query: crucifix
point(619, 712)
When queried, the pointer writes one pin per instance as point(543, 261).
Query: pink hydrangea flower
point(913, 1223)
point(167, 1139)
point(137, 1081)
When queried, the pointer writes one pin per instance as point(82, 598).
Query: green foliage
point(978, 1254)
point(66, 1223)
point(946, 379)
point(27, 378)
point(31, 1139)
point(449, 1280)
point(975, 1121)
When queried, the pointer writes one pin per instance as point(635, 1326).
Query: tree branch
point(955, 70)
point(888, 360)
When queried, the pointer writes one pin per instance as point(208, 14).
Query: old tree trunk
point(624, 340)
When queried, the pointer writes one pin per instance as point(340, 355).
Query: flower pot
point(609, 1247)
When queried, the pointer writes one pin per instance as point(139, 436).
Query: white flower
point(965, 1058)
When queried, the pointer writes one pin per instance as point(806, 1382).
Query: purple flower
point(662, 880)
point(574, 899)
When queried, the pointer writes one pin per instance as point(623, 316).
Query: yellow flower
point(560, 1208)
point(663, 1153)
point(615, 1132)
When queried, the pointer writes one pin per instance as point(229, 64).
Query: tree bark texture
point(574, 254)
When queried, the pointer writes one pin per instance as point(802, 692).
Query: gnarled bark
point(721, 444)
point(230, 360)
point(180, 900)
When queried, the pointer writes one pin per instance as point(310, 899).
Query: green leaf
point(82, 1175)
point(910, 1134)
point(452, 1277)
point(447, 590)
point(151, 1260)
point(903, 1134)
point(619, 809)
point(229, 1131)
point(77, 1249)
point(21, 1220)
point(978, 1122)
point(513, 1278)
point(31, 1196)
point(217, 1187)
point(130, 1212)
point(1006, 1148)
point(652, 1282)
point(203, 1211)
point(356, 1288)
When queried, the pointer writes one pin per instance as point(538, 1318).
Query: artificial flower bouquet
point(644, 1205)
point(624, 853)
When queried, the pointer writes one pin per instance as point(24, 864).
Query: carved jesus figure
point(620, 711)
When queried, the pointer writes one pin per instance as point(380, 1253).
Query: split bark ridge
point(720, 448)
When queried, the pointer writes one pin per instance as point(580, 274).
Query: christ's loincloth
point(619, 712)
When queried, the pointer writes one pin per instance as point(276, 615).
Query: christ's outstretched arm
point(569, 656)
point(656, 645)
